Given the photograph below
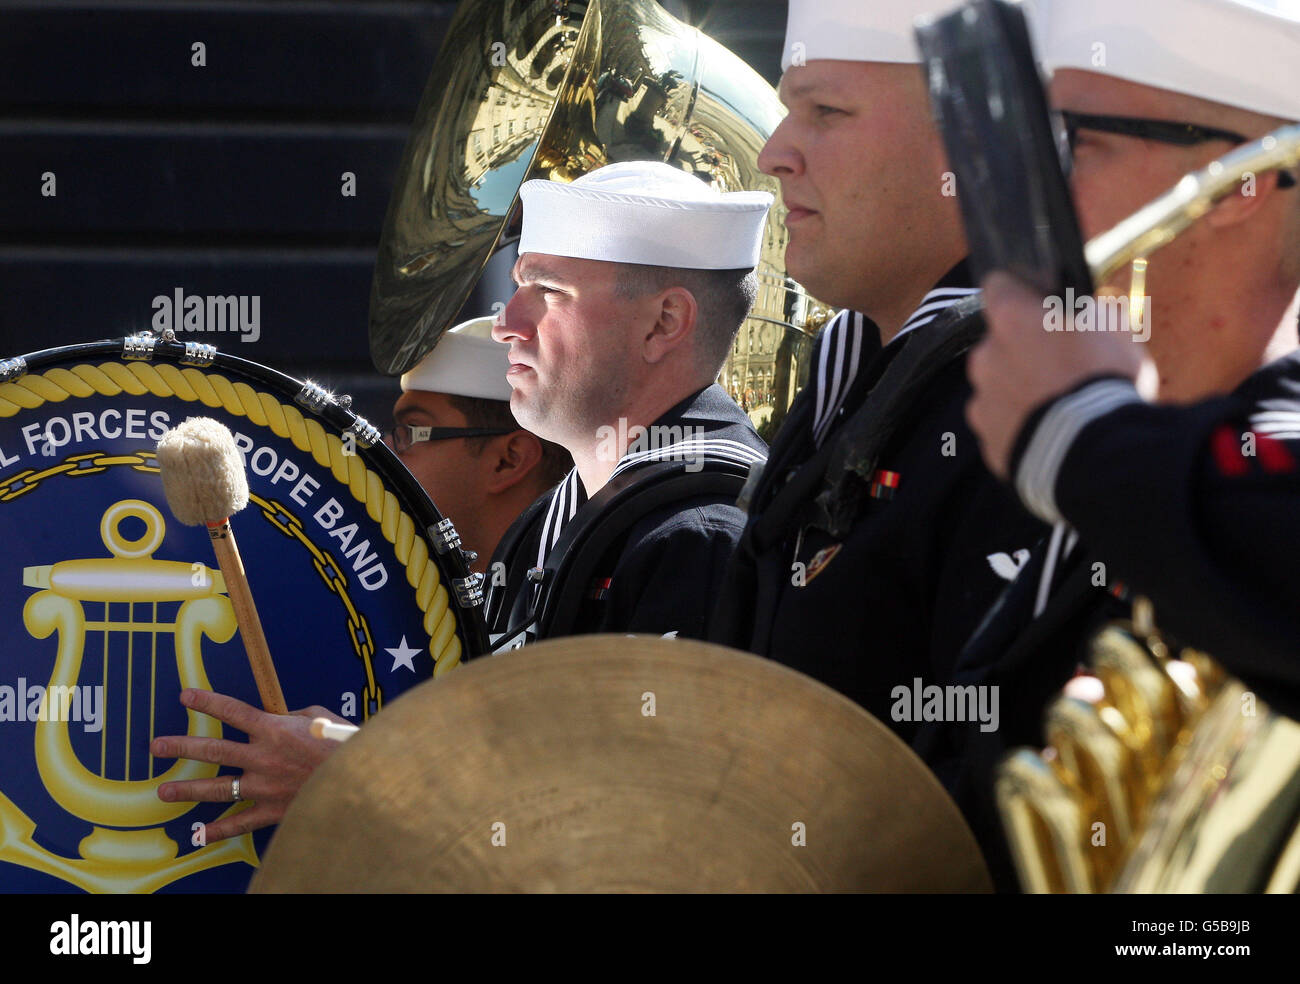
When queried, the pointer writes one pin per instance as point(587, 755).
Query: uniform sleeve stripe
point(1266, 415)
point(1275, 422)
point(1047, 449)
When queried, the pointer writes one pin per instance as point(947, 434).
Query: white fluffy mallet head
point(202, 472)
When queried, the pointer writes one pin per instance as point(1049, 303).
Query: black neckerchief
point(827, 490)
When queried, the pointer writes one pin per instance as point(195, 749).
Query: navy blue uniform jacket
point(886, 592)
point(665, 574)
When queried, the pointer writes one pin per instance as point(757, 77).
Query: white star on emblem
point(402, 656)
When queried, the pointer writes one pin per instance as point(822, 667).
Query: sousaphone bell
point(553, 90)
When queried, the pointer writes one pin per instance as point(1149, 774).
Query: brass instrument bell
point(553, 90)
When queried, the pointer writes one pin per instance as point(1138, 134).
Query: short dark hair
point(724, 297)
point(481, 412)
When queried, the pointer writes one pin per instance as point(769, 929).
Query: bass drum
point(110, 606)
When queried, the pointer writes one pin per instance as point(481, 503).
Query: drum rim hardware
point(443, 536)
point(333, 412)
point(139, 347)
point(469, 590)
point(11, 369)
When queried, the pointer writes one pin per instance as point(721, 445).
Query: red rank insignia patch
point(1233, 459)
point(884, 484)
point(1274, 457)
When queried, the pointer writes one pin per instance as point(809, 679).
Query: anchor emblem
point(127, 850)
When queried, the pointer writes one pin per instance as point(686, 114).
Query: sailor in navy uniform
point(661, 575)
point(633, 281)
point(877, 539)
point(1168, 469)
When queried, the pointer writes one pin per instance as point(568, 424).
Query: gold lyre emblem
point(128, 850)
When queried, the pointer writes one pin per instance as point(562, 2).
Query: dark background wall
point(226, 179)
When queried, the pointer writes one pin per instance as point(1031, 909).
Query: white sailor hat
point(856, 30)
point(644, 212)
point(1244, 53)
point(465, 362)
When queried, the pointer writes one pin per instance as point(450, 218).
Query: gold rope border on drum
point(285, 421)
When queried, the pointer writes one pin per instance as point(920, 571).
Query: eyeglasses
point(405, 435)
point(1162, 131)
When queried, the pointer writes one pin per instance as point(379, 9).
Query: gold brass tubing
point(1098, 758)
point(1229, 804)
point(1160, 222)
point(1044, 826)
point(1285, 879)
point(1143, 694)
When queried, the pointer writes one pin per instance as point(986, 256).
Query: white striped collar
point(570, 495)
point(565, 500)
point(840, 352)
point(933, 305)
point(836, 374)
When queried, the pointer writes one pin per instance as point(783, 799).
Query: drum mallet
point(205, 484)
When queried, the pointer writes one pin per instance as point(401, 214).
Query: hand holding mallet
point(204, 482)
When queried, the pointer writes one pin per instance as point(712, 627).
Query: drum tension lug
point(139, 347)
point(314, 397)
point(197, 354)
point(469, 590)
point(11, 369)
point(363, 431)
point(444, 537)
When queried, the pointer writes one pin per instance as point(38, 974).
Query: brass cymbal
point(622, 763)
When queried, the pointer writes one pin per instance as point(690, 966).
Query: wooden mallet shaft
point(250, 626)
point(205, 484)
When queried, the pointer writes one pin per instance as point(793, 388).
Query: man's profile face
point(572, 345)
point(854, 154)
point(1114, 175)
point(447, 470)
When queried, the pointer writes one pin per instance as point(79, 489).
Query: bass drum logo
point(109, 607)
point(170, 608)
